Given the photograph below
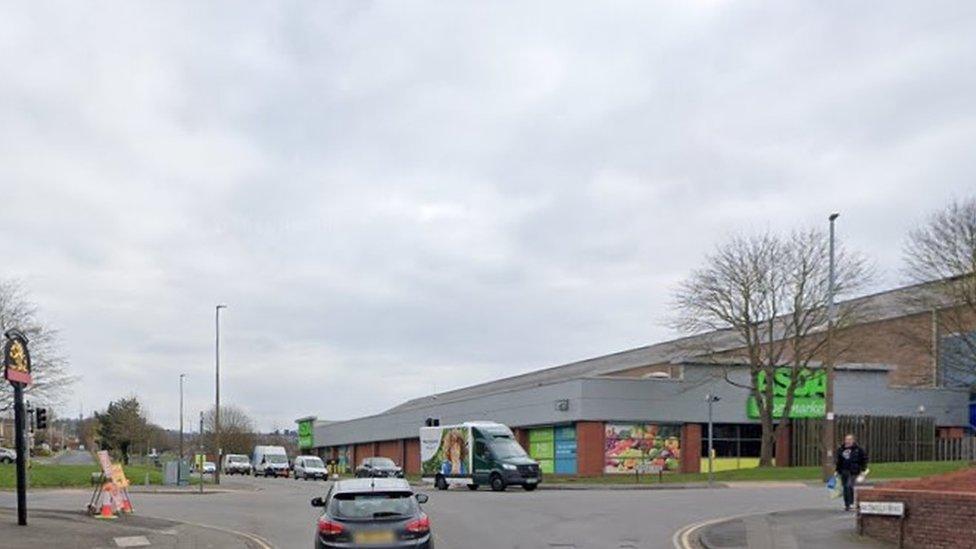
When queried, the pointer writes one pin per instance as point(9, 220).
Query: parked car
point(368, 512)
point(378, 467)
point(236, 464)
point(309, 467)
point(7, 455)
point(209, 467)
point(270, 461)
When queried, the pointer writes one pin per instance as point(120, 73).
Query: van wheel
point(497, 483)
point(440, 482)
point(472, 487)
point(529, 487)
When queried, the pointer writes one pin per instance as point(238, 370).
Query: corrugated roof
point(872, 308)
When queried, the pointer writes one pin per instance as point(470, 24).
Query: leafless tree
point(941, 255)
point(765, 298)
point(236, 430)
point(48, 361)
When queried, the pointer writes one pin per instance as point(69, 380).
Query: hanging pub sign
point(16, 358)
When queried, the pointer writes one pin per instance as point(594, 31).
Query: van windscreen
point(506, 447)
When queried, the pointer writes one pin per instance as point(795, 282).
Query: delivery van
point(270, 461)
point(476, 453)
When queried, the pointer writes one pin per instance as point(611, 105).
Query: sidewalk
point(804, 529)
point(68, 529)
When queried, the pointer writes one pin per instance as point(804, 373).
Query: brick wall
point(589, 448)
point(691, 447)
point(932, 519)
point(389, 449)
point(411, 460)
point(364, 450)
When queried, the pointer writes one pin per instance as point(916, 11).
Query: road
point(278, 510)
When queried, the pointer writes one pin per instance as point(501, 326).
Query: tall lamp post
point(179, 468)
point(711, 399)
point(829, 426)
point(217, 448)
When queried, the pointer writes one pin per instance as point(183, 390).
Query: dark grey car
point(378, 467)
point(376, 512)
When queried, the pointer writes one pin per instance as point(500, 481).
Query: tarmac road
point(278, 511)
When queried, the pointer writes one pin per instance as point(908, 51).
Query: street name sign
point(887, 508)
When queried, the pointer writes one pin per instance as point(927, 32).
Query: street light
point(179, 468)
point(710, 399)
point(217, 409)
point(828, 432)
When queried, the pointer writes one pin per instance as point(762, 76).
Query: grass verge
point(71, 476)
point(878, 471)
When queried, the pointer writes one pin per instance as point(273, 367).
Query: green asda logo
point(808, 399)
point(305, 434)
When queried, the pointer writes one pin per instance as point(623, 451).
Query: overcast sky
point(397, 198)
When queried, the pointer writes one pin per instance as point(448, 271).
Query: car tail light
point(419, 526)
point(329, 528)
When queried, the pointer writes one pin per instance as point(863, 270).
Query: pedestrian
point(851, 461)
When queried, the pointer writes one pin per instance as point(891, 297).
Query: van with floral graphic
point(476, 453)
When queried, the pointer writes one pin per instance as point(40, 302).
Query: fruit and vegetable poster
point(628, 445)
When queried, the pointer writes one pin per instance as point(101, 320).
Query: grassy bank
point(878, 471)
point(72, 476)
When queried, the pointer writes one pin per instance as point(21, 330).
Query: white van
point(270, 461)
point(236, 464)
point(310, 467)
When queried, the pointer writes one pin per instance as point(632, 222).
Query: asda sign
point(808, 400)
point(305, 433)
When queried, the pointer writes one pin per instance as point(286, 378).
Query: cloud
point(396, 199)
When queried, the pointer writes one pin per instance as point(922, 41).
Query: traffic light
point(41, 418)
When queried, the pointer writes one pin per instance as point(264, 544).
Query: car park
point(365, 512)
point(309, 467)
point(378, 467)
point(236, 464)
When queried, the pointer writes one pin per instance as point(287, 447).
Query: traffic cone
point(106, 512)
point(126, 505)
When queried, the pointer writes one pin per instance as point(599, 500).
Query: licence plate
point(531, 480)
point(379, 536)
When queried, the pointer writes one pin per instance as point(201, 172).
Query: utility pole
point(829, 426)
point(217, 448)
point(203, 452)
point(179, 468)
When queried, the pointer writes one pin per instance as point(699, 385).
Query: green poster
point(305, 430)
point(808, 399)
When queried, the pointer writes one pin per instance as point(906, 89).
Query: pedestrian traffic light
point(41, 418)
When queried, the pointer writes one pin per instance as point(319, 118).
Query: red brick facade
point(411, 458)
point(590, 448)
point(691, 447)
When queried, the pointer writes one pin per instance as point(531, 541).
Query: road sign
point(887, 508)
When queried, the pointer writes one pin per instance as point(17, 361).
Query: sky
point(399, 198)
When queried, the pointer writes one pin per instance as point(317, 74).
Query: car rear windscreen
point(370, 505)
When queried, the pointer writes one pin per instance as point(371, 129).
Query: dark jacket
point(853, 460)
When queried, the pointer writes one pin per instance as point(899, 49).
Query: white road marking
point(132, 541)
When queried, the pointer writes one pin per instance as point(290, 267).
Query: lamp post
point(217, 449)
point(828, 431)
point(711, 399)
point(179, 468)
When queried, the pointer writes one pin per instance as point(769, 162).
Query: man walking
point(851, 461)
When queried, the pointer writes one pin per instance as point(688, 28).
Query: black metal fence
point(885, 438)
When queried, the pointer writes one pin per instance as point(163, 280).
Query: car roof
point(371, 485)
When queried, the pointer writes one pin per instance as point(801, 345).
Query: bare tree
point(236, 430)
point(941, 255)
point(48, 361)
point(766, 297)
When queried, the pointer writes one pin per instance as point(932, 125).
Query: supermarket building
point(591, 417)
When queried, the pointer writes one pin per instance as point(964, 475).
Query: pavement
point(52, 528)
point(796, 529)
